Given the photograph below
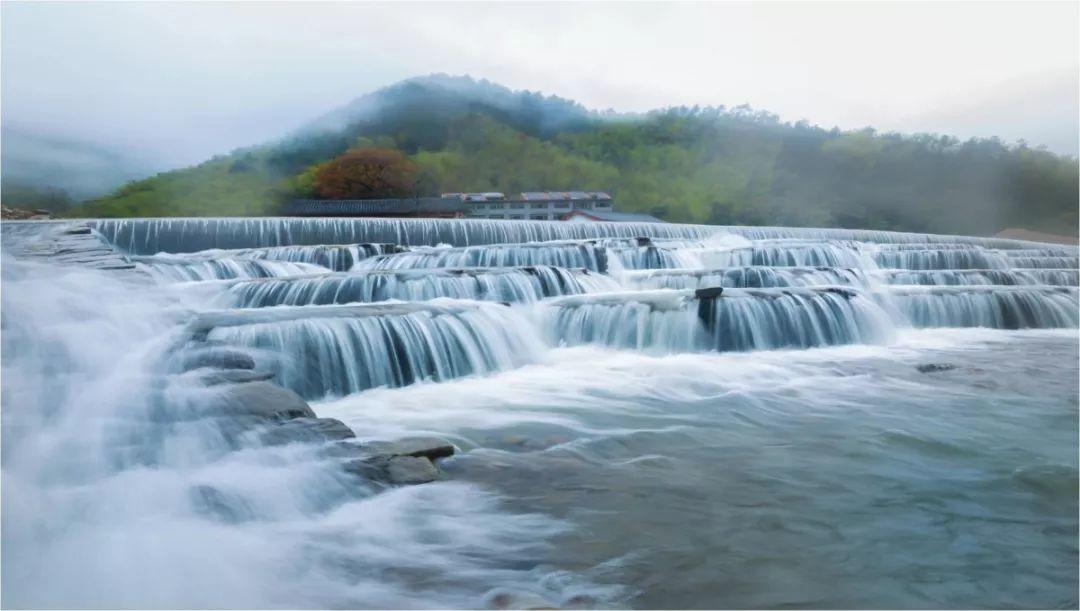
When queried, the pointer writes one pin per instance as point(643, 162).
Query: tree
point(366, 173)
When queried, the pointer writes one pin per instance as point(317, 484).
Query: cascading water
point(565, 254)
point(996, 307)
point(222, 269)
point(666, 391)
point(967, 277)
point(748, 319)
point(338, 351)
point(525, 284)
point(745, 277)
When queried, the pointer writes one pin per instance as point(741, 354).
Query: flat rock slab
point(218, 358)
point(396, 470)
point(307, 430)
point(264, 400)
point(934, 367)
point(425, 447)
point(235, 376)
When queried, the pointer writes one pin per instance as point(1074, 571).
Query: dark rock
point(264, 400)
point(934, 367)
point(643, 241)
point(307, 430)
point(78, 231)
point(409, 470)
point(426, 447)
point(397, 470)
point(235, 376)
point(848, 293)
point(711, 292)
point(517, 600)
point(217, 358)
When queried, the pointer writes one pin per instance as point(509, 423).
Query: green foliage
point(708, 165)
point(30, 197)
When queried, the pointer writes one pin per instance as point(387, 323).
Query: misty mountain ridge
point(35, 162)
point(706, 165)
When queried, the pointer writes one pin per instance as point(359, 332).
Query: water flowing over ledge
point(511, 284)
point(150, 422)
point(150, 236)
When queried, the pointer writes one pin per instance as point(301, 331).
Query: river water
point(623, 441)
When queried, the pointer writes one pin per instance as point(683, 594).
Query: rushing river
point(858, 419)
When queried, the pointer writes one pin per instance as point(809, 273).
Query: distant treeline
point(703, 165)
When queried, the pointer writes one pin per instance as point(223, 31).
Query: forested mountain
point(45, 171)
point(715, 165)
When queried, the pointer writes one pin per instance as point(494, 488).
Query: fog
point(171, 84)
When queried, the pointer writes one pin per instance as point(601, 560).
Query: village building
point(529, 205)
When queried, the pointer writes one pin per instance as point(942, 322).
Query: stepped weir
point(157, 374)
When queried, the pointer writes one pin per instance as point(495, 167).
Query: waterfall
point(745, 319)
point(563, 254)
point(785, 253)
point(332, 350)
point(134, 478)
point(181, 270)
point(512, 284)
point(1046, 262)
point(336, 257)
point(149, 236)
point(1011, 277)
point(745, 277)
point(1018, 307)
point(932, 259)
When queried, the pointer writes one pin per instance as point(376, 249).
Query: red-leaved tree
point(367, 173)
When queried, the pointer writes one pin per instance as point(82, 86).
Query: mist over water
point(628, 435)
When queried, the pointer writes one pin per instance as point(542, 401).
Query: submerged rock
point(934, 367)
point(502, 599)
point(215, 504)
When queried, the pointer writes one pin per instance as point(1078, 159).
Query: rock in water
point(217, 358)
point(235, 376)
point(399, 470)
point(426, 447)
point(934, 367)
point(264, 400)
point(307, 430)
point(410, 470)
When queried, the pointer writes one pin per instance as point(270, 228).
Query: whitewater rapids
point(646, 416)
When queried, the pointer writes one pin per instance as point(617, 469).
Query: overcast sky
point(176, 83)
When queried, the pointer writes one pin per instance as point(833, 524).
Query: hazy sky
point(177, 82)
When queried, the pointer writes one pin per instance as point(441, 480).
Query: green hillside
point(715, 165)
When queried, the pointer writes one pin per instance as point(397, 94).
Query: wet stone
point(396, 470)
point(307, 430)
point(426, 447)
point(407, 470)
point(235, 376)
point(265, 400)
point(217, 358)
point(711, 292)
point(934, 367)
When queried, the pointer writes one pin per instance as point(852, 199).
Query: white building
point(533, 205)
